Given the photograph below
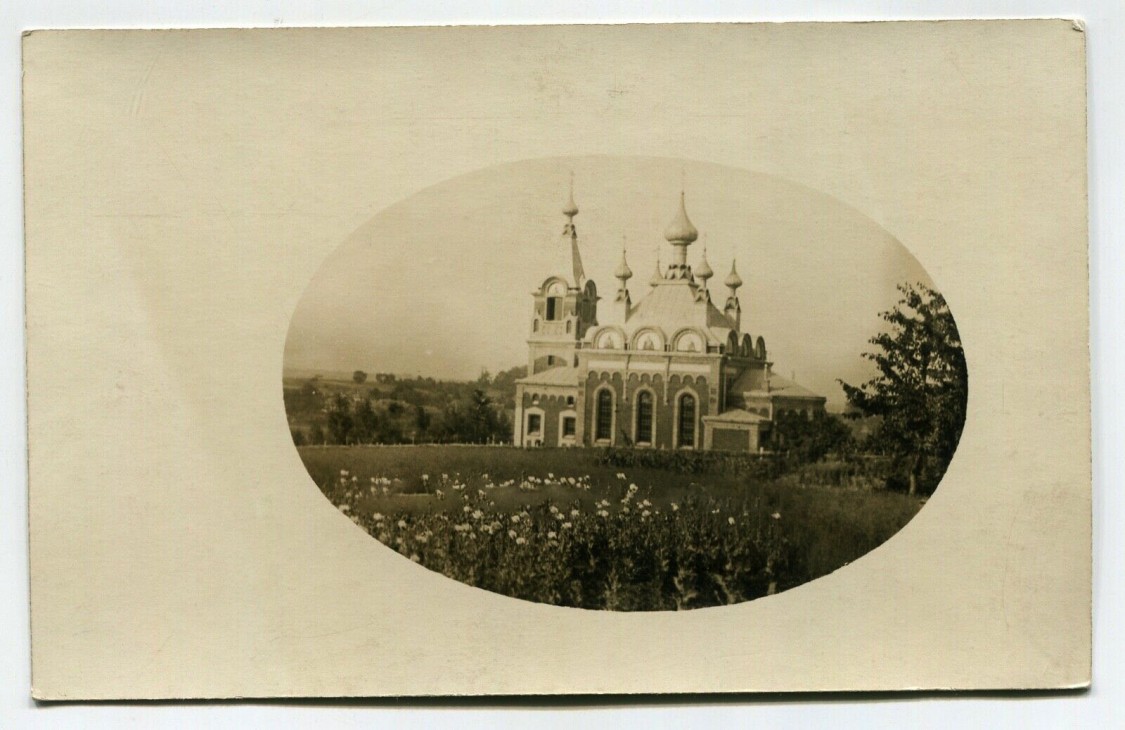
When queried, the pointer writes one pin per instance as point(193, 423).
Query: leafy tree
point(359, 377)
point(921, 390)
point(808, 439)
point(341, 422)
point(421, 421)
point(366, 422)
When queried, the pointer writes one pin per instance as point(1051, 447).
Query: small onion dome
point(703, 271)
point(624, 273)
point(733, 280)
point(681, 230)
point(657, 277)
point(570, 209)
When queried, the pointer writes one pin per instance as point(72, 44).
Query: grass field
point(555, 526)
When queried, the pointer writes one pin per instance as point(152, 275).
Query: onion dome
point(570, 209)
point(733, 280)
point(680, 230)
point(623, 272)
point(703, 271)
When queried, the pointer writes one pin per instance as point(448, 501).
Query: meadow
point(569, 527)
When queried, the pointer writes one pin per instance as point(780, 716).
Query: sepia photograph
point(549, 360)
point(460, 386)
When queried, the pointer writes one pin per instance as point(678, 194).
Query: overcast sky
point(439, 284)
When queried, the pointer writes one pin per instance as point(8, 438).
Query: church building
point(671, 371)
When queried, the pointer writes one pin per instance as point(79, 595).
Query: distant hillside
point(331, 407)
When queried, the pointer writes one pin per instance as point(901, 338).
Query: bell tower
point(563, 308)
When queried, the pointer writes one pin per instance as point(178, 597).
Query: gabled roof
point(562, 375)
point(736, 415)
point(752, 380)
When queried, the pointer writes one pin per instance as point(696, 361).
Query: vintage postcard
point(558, 359)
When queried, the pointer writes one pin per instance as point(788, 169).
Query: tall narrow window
point(554, 308)
point(644, 417)
point(603, 430)
point(687, 421)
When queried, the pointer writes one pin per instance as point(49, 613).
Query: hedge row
point(694, 462)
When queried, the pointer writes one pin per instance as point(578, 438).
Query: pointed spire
point(680, 230)
point(703, 271)
point(657, 277)
point(569, 231)
point(733, 280)
point(624, 273)
point(570, 209)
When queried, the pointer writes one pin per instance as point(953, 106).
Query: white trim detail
point(686, 390)
point(608, 387)
point(563, 439)
point(636, 401)
point(535, 438)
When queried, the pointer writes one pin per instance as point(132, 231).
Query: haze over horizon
point(440, 283)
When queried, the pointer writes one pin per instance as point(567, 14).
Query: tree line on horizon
point(402, 410)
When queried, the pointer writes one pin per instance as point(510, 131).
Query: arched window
point(603, 428)
point(687, 421)
point(568, 326)
point(644, 417)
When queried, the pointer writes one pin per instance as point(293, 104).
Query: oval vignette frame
point(455, 278)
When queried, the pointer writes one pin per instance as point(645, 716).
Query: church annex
point(671, 371)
